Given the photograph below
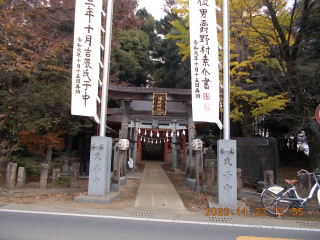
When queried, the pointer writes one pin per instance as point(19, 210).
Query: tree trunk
point(247, 120)
point(48, 155)
point(69, 147)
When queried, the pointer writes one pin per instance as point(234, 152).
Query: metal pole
point(226, 73)
point(106, 66)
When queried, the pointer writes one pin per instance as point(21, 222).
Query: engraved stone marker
point(227, 172)
point(100, 166)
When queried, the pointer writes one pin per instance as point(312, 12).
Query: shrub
point(63, 181)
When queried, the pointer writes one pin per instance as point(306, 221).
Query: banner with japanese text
point(204, 61)
point(86, 57)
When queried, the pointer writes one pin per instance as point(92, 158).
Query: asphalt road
point(16, 225)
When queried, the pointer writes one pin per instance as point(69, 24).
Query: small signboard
point(159, 106)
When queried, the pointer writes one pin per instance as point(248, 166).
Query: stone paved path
point(156, 190)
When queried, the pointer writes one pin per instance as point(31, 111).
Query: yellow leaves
point(184, 50)
point(265, 106)
point(255, 95)
point(236, 115)
point(261, 103)
point(184, 37)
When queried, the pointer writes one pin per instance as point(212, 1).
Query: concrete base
point(123, 182)
point(196, 188)
point(213, 203)
point(114, 186)
point(260, 186)
point(131, 170)
point(190, 182)
point(97, 199)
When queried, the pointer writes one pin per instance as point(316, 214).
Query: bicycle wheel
point(271, 200)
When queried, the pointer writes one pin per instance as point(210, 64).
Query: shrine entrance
point(160, 148)
point(152, 151)
point(158, 128)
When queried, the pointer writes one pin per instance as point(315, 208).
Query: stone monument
point(227, 172)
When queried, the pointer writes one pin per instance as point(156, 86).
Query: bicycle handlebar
point(301, 171)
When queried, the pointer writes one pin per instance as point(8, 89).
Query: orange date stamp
point(256, 212)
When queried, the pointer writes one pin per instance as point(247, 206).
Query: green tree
point(132, 59)
point(169, 69)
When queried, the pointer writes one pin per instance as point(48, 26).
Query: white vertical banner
point(86, 57)
point(204, 61)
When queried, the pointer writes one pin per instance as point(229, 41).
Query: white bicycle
point(278, 199)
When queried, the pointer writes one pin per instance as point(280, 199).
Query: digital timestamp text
point(255, 212)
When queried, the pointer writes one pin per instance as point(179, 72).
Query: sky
point(153, 7)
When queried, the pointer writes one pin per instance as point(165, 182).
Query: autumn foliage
point(39, 144)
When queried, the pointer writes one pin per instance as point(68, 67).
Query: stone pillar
point(21, 177)
point(100, 166)
point(11, 175)
point(239, 183)
point(227, 172)
point(199, 160)
point(124, 134)
point(186, 153)
point(74, 173)
point(44, 175)
point(173, 145)
point(210, 163)
point(56, 173)
point(201, 167)
point(190, 166)
point(305, 184)
point(268, 177)
point(135, 146)
point(115, 161)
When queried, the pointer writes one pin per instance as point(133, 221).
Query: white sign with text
point(86, 57)
point(204, 61)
